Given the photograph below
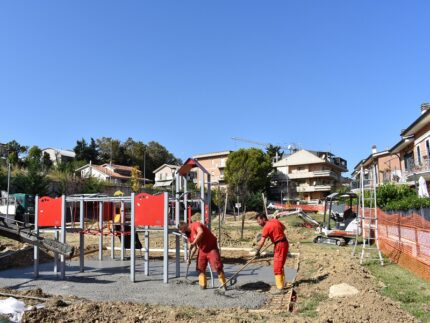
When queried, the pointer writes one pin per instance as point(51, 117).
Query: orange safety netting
point(405, 239)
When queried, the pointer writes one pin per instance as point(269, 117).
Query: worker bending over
point(202, 238)
point(274, 230)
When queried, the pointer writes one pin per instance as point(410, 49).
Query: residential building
point(3, 150)
point(215, 164)
point(59, 156)
point(408, 159)
point(387, 165)
point(117, 174)
point(307, 175)
point(165, 175)
point(413, 150)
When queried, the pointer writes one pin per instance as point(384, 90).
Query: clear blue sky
point(338, 75)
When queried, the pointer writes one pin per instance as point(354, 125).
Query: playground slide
point(13, 230)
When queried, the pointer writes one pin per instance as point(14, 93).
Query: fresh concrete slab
point(109, 280)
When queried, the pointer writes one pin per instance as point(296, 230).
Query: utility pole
point(144, 168)
point(8, 189)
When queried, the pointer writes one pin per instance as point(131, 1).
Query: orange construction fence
point(405, 239)
point(305, 207)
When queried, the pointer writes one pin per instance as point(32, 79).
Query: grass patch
point(401, 285)
point(309, 306)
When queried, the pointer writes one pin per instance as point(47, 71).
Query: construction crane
point(291, 148)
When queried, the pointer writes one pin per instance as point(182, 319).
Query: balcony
point(317, 173)
point(417, 170)
point(313, 188)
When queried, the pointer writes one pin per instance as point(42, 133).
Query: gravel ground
point(109, 280)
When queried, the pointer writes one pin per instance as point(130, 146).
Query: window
point(409, 161)
point(418, 155)
point(428, 149)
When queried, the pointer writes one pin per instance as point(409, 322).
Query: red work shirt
point(208, 240)
point(274, 230)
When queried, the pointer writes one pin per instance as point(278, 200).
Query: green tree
point(157, 155)
point(34, 155)
point(109, 150)
point(46, 161)
point(274, 151)
point(247, 171)
point(14, 151)
point(86, 152)
point(135, 183)
point(80, 149)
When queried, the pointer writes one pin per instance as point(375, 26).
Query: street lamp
point(8, 186)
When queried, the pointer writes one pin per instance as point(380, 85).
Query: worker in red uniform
point(274, 230)
point(202, 238)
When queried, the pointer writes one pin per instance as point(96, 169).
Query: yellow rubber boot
point(283, 281)
point(202, 280)
point(279, 280)
point(221, 278)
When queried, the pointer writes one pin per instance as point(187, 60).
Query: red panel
point(49, 212)
point(108, 211)
point(149, 209)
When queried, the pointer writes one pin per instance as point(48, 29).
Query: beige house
point(165, 175)
point(308, 175)
point(117, 174)
point(59, 156)
point(215, 164)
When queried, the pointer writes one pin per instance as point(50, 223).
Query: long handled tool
point(190, 257)
point(244, 266)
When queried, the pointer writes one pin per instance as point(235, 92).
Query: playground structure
point(124, 217)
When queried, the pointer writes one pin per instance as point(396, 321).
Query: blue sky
point(325, 75)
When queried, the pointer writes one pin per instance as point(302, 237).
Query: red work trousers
point(214, 259)
point(280, 256)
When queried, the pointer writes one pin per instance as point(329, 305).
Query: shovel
point(232, 280)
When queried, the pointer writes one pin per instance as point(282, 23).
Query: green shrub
point(390, 193)
point(407, 203)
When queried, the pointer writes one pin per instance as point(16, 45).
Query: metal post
point(184, 241)
point(112, 240)
point(177, 219)
point(208, 203)
point(56, 256)
point(81, 236)
point(36, 231)
point(166, 239)
point(63, 236)
point(146, 254)
point(122, 230)
point(144, 168)
point(202, 197)
point(101, 230)
point(132, 242)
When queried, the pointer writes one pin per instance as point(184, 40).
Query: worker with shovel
point(202, 238)
point(274, 229)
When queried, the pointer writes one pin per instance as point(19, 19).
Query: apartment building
point(408, 159)
point(308, 175)
point(215, 164)
point(388, 168)
point(413, 150)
